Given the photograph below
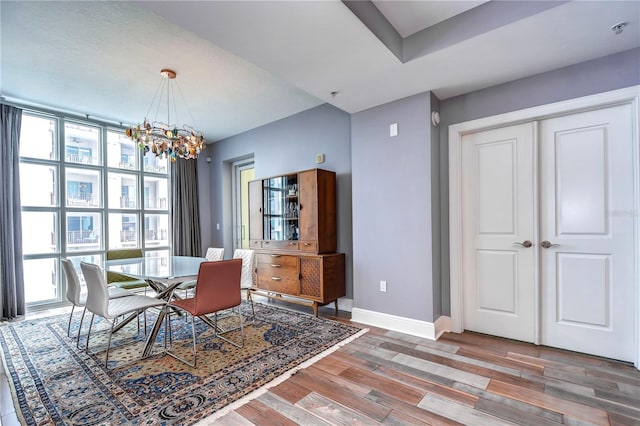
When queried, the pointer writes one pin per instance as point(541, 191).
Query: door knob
point(546, 244)
point(525, 243)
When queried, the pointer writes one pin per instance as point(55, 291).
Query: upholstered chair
point(217, 289)
point(98, 302)
point(246, 282)
point(77, 297)
point(213, 254)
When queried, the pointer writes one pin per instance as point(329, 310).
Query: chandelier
point(166, 139)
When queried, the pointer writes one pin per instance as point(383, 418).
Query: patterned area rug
point(56, 383)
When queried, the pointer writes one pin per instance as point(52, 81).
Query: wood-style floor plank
point(521, 407)
point(460, 413)
point(512, 414)
point(575, 410)
point(329, 389)
point(393, 388)
point(233, 418)
point(410, 410)
point(427, 386)
point(262, 415)
point(334, 413)
point(291, 411)
point(387, 377)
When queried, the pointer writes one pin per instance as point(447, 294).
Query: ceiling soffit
point(456, 29)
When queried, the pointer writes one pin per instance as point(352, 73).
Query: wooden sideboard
point(292, 228)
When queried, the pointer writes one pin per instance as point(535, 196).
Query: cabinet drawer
point(255, 244)
point(280, 245)
point(278, 284)
point(278, 259)
point(278, 271)
point(311, 246)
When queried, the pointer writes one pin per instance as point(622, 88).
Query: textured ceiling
point(242, 64)
point(104, 59)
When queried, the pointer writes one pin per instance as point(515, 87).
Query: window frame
point(58, 160)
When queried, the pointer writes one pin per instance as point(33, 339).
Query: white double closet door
point(548, 232)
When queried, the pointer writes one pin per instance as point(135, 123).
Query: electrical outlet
point(383, 286)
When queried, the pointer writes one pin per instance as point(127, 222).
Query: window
point(78, 155)
point(87, 200)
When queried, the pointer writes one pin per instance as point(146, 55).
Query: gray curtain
point(12, 303)
point(185, 207)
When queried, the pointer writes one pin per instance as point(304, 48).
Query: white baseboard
point(425, 329)
point(443, 324)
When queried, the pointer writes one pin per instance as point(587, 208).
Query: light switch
point(393, 129)
point(319, 158)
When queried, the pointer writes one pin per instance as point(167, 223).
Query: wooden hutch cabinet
point(292, 227)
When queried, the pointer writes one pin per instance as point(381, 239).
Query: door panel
point(582, 171)
point(498, 213)
point(586, 183)
point(583, 290)
point(496, 279)
point(496, 187)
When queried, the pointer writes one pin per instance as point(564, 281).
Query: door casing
point(630, 95)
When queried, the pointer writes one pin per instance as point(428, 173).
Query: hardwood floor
point(385, 377)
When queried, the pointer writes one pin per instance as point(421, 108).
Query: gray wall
point(400, 185)
point(281, 147)
point(392, 236)
point(599, 75)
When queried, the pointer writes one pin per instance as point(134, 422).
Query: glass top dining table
point(165, 269)
point(163, 274)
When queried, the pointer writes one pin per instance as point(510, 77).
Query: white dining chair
point(246, 281)
point(213, 254)
point(98, 302)
point(77, 297)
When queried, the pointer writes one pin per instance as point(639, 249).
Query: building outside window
point(93, 190)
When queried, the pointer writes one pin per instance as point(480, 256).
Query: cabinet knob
point(275, 255)
point(307, 244)
point(266, 242)
point(276, 278)
point(275, 265)
point(292, 244)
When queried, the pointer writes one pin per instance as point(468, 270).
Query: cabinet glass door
point(281, 208)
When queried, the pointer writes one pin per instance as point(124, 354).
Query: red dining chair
point(217, 289)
